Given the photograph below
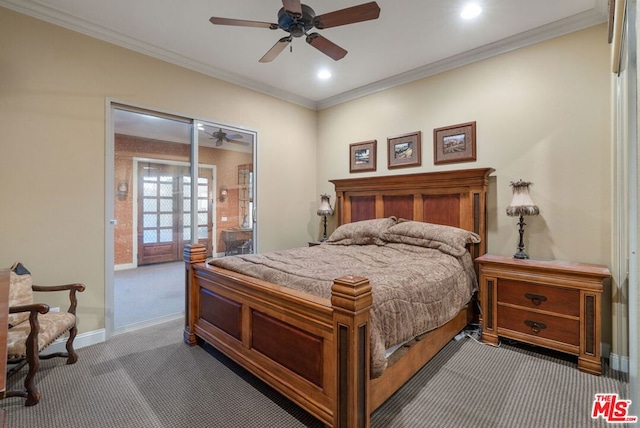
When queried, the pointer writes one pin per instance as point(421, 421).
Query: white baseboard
point(619, 363)
point(81, 340)
point(99, 336)
point(605, 350)
point(149, 323)
point(125, 266)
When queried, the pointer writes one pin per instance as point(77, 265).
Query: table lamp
point(324, 211)
point(521, 205)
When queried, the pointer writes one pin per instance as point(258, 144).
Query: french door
point(164, 211)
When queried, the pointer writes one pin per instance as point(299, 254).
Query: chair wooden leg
point(73, 357)
point(33, 360)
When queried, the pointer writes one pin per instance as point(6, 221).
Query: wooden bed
point(315, 351)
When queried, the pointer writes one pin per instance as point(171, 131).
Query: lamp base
point(324, 234)
point(521, 255)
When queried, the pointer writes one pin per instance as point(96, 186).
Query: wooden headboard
point(453, 198)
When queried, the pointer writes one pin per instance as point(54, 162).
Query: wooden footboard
point(314, 351)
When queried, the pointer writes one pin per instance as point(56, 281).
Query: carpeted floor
point(150, 378)
point(159, 286)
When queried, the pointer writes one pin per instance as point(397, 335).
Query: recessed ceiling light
point(470, 11)
point(324, 74)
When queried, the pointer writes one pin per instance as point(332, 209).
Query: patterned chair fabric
point(32, 328)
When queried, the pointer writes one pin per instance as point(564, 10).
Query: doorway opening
point(159, 203)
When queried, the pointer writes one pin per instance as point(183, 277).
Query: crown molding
point(537, 35)
point(577, 22)
point(44, 13)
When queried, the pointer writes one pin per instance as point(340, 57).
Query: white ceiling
point(411, 39)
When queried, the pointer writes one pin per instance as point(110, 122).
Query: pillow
point(448, 239)
point(20, 292)
point(365, 232)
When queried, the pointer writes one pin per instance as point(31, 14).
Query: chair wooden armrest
point(72, 292)
point(42, 308)
point(72, 287)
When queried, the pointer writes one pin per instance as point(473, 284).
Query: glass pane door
point(231, 150)
point(205, 217)
point(160, 223)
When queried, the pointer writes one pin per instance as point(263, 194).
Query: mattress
point(416, 286)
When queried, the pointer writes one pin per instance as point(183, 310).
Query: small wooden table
point(235, 241)
point(549, 303)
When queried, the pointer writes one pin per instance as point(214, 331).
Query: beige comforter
point(415, 289)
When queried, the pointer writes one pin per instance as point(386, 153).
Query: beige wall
point(53, 88)
point(543, 115)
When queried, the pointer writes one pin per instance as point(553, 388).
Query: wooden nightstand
point(551, 303)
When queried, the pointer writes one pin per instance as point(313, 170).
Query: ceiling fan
point(220, 136)
point(298, 19)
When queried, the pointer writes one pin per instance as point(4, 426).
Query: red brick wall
point(128, 147)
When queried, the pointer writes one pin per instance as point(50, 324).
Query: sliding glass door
point(159, 203)
point(232, 151)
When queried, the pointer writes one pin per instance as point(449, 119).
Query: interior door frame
point(109, 190)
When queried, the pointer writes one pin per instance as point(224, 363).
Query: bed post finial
point(351, 299)
point(193, 253)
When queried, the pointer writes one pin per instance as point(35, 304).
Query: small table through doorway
point(237, 241)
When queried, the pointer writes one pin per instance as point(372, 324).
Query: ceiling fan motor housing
point(296, 25)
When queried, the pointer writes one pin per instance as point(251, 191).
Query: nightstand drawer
point(540, 325)
point(550, 303)
point(535, 296)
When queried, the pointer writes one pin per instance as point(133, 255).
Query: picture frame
point(455, 143)
point(404, 150)
point(362, 156)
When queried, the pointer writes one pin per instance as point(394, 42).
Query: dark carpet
point(150, 378)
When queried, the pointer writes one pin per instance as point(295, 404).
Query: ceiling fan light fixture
point(296, 25)
point(324, 74)
point(471, 11)
point(298, 19)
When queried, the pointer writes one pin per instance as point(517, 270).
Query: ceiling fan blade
point(326, 46)
point(242, 23)
point(234, 137)
point(276, 49)
point(350, 15)
point(292, 6)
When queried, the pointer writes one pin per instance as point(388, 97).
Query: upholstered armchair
point(32, 328)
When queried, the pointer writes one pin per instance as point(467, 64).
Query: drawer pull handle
point(535, 326)
point(536, 299)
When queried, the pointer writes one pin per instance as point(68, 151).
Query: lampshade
point(521, 204)
point(325, 206)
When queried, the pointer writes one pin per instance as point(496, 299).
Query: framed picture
point(455, 143)
point(362, 156)
point(404, 150)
